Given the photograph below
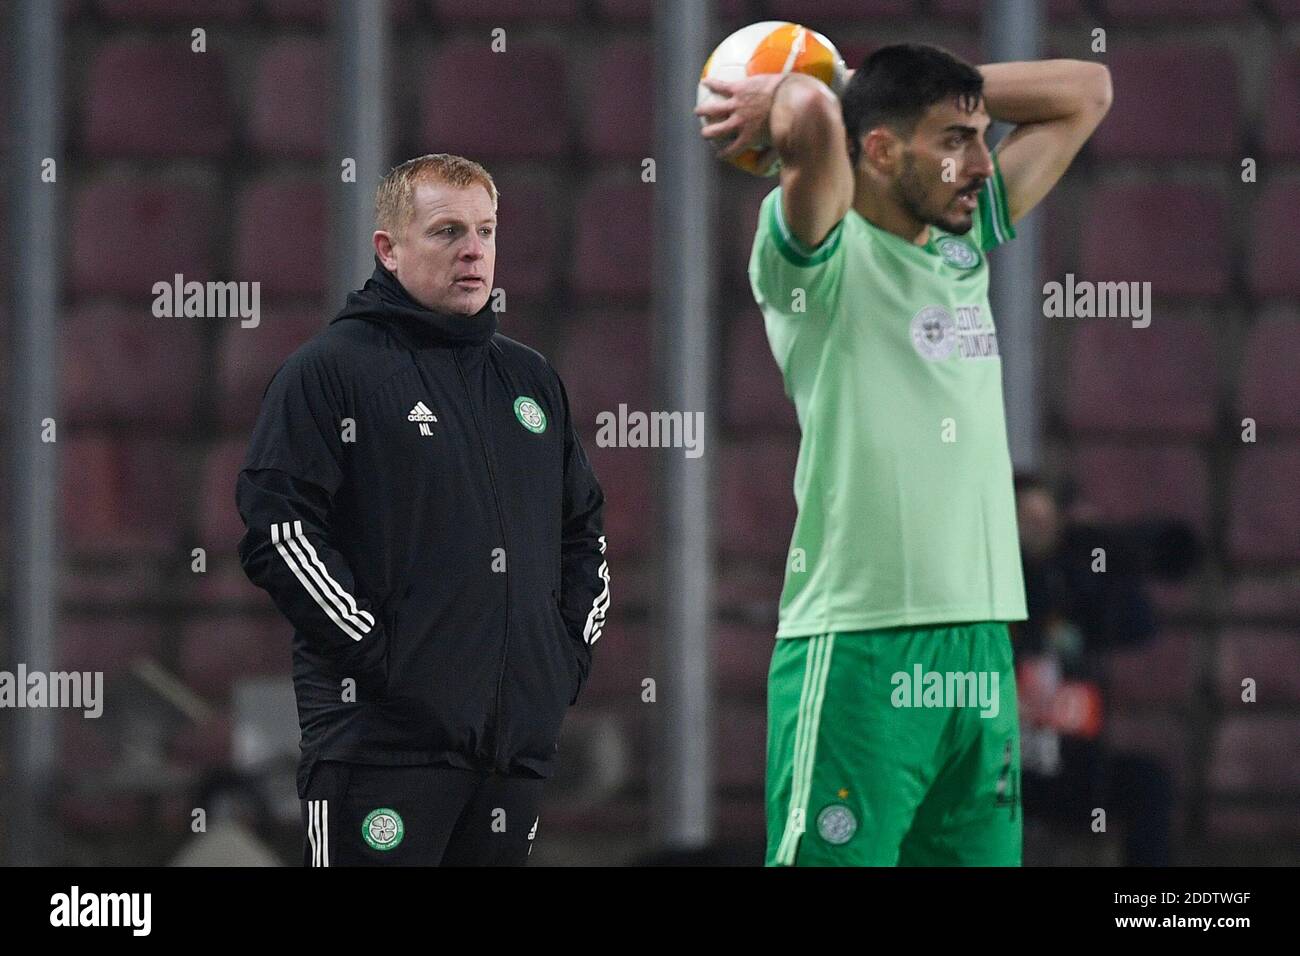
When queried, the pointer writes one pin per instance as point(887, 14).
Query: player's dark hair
point(898, 83)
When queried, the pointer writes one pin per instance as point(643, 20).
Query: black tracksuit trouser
point(424, 815)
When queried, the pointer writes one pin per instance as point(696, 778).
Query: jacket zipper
point(496, 500)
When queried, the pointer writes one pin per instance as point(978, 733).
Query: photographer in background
point(1077, 615)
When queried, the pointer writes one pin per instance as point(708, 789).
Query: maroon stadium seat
point(742, 197)
point(129, 234)
point(107, 643)
point(1183, 598)
point(741, 753)
point(1175, 12)
point(1160, 734)
point(816, 13)
point(621, 660)
point(1256, 754)
point(312, 12)
point(155, 98)
point(625, 10)
point(1265, 596)
point(752, 591)
point(219, 523)
point(125, 366)
point(855, 50)
point(1270, 388)
point(316, 12)
point(619, 120)
point(743, 653)
point(88, 809)
point(281, 237)
point(638, 581)
point(1267, 655)
point(505, 10)
point(756, 400)
point(1059, 230)
point(116, 584)
point(1282, 114)
point(1265, 523)
point(605, 362)
point(85, 746)
point(198, 12)
point(1158, 672)
point(120, 496)
point(1273, 269)
point(756, 495)
point(217, 651)
point(1129, 232)
point(224, 582)
point(1162, 378)
point(1285, 8)
point(1249, 829)
point(249, 357)
point(534, 325)
point(527, 237)
point(974, 9)
point(627, 476)
point(289, 112)
point(206, 744)
point(514, 109)
point(742, 820)
point(613, 247)
point(1171, 102)
point(1133, 482)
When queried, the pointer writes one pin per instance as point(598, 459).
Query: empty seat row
point(1166, 378)
point(130, 233)
point(155, 98)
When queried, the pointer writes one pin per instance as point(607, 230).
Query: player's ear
point(384, 249)
point(881, 148)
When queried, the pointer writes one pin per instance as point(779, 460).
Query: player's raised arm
point(1055, 104)
point(816, 178)
point(801, 118)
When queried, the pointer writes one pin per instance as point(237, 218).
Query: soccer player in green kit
point(892, 727)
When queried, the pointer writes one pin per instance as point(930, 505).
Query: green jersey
point(903, 483)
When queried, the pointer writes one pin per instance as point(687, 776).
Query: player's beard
point(913, 191)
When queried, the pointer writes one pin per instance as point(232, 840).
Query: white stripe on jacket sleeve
point(280, 538)
point(364, 618)
point(596, 616)
point(299, 545)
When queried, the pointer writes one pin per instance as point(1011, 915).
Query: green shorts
point(896, 746)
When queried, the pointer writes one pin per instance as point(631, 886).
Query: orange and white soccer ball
point(772, 46)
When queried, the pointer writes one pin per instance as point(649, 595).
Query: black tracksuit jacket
point(419, 507)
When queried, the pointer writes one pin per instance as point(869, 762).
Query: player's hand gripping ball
point(772, 47)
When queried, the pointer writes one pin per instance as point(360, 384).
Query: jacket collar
point(384, 299)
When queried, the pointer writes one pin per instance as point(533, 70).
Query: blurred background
point(225, 164)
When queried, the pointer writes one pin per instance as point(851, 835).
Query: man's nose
point(473, 247)
point(982, 165)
